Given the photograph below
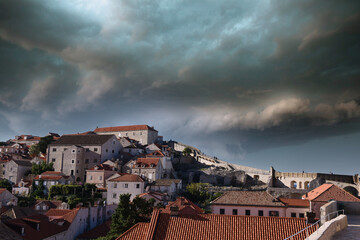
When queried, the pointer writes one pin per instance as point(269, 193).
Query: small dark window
point(273, 213)
point(107, 150)
point(54, 149)
point(77, 171)
point(137, 185)
point(95, 149)
point(293, 214)
point(95, 160)
point(72, 161)
point(222, 211)
point(247, 212)
point(126, 185)
point(72, 173)
point(113, 151)
point(87, 150)
point(53, 160)
point(86, 160)
point(301, 215)
point(235, 212)
point(261, 213)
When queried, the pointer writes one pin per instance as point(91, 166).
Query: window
point(300, 184)
point(306, 185)
point(87, 150)
point(293, 214)
point(95, 160)
point(137, 185)
point(65, 149)
point(293, 184)
point(260, 213)
point(90, 177)
point(86, 160)
point(100, 177)
point(54, 149)
point(126, 185)
point(78, 161)
point(301, 215)
point(222, 211)
point(133, 133)
point(113, 141)
point(107, 150)
point(235, 212)
point(113, 151)
point(53, 160)
point(247, 212)
point(95, 149)
point(72, 173)
point(73, 150)
point(115, 185)
point(273, 213)
point(114, 195)
point(77, 171)
point(73, 161)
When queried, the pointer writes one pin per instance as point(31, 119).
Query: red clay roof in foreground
point(212, 226)
point(185, 206)
point(328, 192)
point(124, 128)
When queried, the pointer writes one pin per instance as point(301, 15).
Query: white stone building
point(128, 183)
point(14, 170)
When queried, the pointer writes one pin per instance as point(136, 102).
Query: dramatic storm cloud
point(240, 79)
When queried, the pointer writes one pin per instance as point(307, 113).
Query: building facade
point(74, 154)
point(128, 183)
point(14, 170)
point(142, 133)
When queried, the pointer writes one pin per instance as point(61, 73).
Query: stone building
point(98, 174)
point(142, 133)
point(73, 154)
point(51, 178)
point(128, 183)
point(14, 170)
point(149, 168)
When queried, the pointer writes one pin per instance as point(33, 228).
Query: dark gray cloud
point(238, 72)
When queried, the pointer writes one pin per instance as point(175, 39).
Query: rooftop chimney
point(174, 211)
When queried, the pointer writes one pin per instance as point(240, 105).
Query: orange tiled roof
point(51, 173)
point(211, 226)
point(328, 192)
point(65, 214)
point(48, 177)
point(138, 231)
point(124, 128)
point(186, 206)
point(247, 198)
point(127, 178)
point(102, 167)
point(155, 153)
point(292, 202)
point(146, 162)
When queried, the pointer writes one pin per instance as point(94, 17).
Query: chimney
point(174, 211)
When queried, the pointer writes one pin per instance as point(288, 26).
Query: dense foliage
point(127, 214)
point(4, 183)
point(187, 151)
point(199, 194)
point(41, 147)
point(37, 169)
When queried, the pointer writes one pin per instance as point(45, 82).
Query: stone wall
point(326, 231)
point(350, 208)
point(326, 209)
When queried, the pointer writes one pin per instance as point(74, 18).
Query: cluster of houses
point(135, 160)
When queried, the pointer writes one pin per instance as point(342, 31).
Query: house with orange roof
point(26, 139)
point(184, 207)
point(99, 174)
point(142, 133)
point(149, 168)
point(51, 178)
point(157, 196)
point(326, 192)
point(174, 226)
point(127, 183)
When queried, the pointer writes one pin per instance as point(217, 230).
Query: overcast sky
point(258, 83)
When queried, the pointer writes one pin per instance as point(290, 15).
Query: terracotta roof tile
point(292, 202)
point(247, 198)
point(51, 173)
point(328, 192)
point(147, 162)
point(138, 231)
point(185, 206)
point(124, 128)
point(127, 178)
point(211, 226)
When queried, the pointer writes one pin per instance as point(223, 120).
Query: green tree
point(44, 142)
point(34, 150)
point(4, 183)
point(42, 167)
point(127, 214)
point(187, 151)
point(197, 192)
point(38, 190)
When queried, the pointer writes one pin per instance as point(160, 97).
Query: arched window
point(293, 184)
point(300, 184)
point(306, 185)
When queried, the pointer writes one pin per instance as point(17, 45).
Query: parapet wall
point(328, 229)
